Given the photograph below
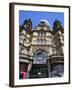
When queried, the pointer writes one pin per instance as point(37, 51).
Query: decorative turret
point(57, 26)
point(58, 31)
point(28, 24)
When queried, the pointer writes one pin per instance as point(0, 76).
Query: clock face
point(40, 57)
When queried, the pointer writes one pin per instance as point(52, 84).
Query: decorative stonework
point(42, 37)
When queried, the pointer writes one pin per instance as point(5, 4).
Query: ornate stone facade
point(41, 53)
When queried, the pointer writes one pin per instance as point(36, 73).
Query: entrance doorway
point(39, 71)
point(40, 67)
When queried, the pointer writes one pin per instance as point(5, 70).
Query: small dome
point(42, 23)
point(45, 21)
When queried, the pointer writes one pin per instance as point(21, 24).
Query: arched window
point(42, 33)
point(41, 41)
point(40, 57)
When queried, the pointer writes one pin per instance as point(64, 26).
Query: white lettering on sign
point(39, 62)
point(40, 58)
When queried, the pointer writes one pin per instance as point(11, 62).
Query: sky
point(36, 16)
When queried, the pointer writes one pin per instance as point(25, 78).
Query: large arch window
point(40, 57)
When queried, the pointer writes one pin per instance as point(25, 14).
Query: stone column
point(29, 68)
point(49, 72)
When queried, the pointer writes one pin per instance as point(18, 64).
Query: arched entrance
point(40, 67)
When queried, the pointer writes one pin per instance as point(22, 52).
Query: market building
point(41, 50)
